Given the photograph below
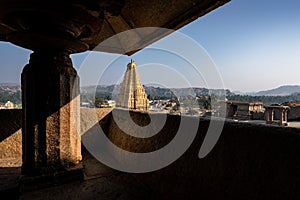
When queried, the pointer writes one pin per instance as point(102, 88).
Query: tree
point(191, 111)
point(205, 102)
point(149, 97)
point(107, 97)
point(98, 102)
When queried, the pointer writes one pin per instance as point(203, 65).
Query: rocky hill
point(153, 92)
point(10, 87)
point(10, 92)
point(280, 91)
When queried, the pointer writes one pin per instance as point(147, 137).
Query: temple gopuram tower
point(132, 93)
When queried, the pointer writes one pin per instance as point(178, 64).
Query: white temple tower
point(132, 93)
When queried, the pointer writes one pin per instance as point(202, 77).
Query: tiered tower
point(132, 94)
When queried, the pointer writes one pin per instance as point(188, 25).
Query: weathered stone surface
point(11, 133)
point(10, 137)
point(89, 117)
point(51, 124)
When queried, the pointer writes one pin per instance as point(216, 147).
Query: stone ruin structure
point(294, 111)
point(132, 94)
point(244, 110)
point(283, 116)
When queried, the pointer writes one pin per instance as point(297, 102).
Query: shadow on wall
point(10, 122)
point(10, 133)
point(249, 161)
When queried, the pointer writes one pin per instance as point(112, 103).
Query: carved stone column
point(51, 103)
point(50, 85)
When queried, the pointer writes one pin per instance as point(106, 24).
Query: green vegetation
point(267, 100)
point(187, 96)
point(13, 97)
point(191, 111)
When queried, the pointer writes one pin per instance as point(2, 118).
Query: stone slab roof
point(117, 16)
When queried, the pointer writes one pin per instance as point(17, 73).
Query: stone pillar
point(284, 116)
point(267, 115)
point(50, 85)
point(51, 103)
point(272, 115)
point(281, 116)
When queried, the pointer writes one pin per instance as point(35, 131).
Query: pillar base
point(31, 183)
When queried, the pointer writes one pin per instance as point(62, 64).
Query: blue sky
point(254, 45)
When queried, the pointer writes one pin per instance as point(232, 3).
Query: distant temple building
point(132, 93)
point(9, 105)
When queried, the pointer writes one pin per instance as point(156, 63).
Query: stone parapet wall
point(249, 161)
point(11, 133)
point(10, 137)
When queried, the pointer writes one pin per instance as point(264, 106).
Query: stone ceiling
point(30, 23)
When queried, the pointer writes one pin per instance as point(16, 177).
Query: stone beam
point(97, 20)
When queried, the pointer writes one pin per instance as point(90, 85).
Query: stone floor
point(100, 182)
point(9, 182)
